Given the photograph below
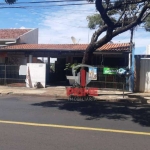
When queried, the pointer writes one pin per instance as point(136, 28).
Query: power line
point(57, 1)
point(50, 1)
point(41, 2)
point(113, 1)
point(23, 7)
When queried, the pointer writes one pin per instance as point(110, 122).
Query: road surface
point(37, 123)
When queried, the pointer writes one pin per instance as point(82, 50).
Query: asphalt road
point(37, 123)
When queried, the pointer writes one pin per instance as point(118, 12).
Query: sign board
point(121, 71)
point(107, 70)
point(36, 72)
point(93, 73)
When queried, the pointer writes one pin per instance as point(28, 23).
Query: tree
point(10, 1)
point(115, 17)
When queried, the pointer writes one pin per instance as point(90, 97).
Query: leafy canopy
point(120, 11)
point(113, 18)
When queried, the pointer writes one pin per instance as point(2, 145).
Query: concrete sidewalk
point(57, 91)
point(60, 92)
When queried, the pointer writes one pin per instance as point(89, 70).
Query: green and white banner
point(107, 70)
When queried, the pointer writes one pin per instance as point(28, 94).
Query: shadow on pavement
point(139, 113)
point(142, 99)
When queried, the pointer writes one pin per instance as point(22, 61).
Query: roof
point(69, 47)
point(12, 33)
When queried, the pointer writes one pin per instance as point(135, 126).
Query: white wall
point(30, 37)
point(36, 72)
point(145, 75)
point(148, 50)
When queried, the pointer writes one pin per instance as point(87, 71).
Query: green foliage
point(118, 2)
point(69, 66)
point(130, 10)
point(94, 21)
point(52, 66)
point(147, 23)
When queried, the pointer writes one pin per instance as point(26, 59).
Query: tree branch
point(107, 38)
point(146, 15)
point(121, 16)
point(98, 33)
point(103, 13)
point(10, 1)
point(124, 3)
point(131, 25)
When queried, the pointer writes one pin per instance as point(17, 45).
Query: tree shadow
point(95, 110)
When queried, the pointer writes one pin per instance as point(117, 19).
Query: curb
point(27, 94)
point(39, 95)
point(141, 98)
point(118, 100)
point(129, 99)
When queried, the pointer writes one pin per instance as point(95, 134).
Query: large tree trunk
point(91, 48)
point(88, 54)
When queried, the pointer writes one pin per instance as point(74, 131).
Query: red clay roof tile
point(12, 33)
point(71, 47)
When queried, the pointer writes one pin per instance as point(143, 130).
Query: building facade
point(110, 56)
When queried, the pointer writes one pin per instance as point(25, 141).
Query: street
point(35, 123)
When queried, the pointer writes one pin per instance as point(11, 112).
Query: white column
point(30, 58)
point(129, 61)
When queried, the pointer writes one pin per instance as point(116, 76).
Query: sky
point(57, 24)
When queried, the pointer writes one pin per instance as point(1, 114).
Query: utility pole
point(132, 49)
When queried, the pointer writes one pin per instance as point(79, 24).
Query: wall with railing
point(107, 81)
point(9, 74)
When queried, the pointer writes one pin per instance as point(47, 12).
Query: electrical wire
point(54, 1)
point(39, 2)
point(58, 1)
point(47, 2)
point(23, 7)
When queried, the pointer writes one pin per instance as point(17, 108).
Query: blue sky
point(58, 23)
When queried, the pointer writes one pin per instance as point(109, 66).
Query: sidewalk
point(60, 92)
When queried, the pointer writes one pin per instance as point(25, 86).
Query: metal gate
point(108, 81)
point(9, 75)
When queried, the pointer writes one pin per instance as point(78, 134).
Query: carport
point(109, 55)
